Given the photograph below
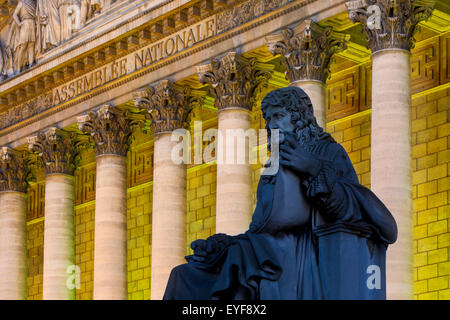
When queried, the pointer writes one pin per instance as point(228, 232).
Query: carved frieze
point(110, 129)
point(57, 150)
point(307, 50)
point(26, 110)
point(168, 105)
point(247, 11)
point(389, 24)
point(14, 170)
point(233, 80)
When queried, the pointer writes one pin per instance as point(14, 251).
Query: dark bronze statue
point(316, 233)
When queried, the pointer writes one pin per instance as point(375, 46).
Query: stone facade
point(172, 70)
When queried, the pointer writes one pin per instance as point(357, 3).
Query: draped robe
point(49, 33)
point(311, 237)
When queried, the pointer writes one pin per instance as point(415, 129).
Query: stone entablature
point(289, 9)
point(132, 24)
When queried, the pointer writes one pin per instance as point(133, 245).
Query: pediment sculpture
point(38, 26)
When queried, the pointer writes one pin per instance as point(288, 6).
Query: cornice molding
point(159, 65)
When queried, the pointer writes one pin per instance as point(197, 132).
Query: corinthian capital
point(57, 150)
point(233, 80)
point(110, 128)
point(389, 24)
point(14, 170)
point(168, 105)
point(307, 50)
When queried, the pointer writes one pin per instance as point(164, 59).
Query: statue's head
point(290, 111)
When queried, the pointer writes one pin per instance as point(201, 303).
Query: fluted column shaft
point(391, 160)
point(13, 210)
point(13, 271)
point(110, 129)
point(169, 214)
point(57, 155)
point(110, 248)
point(59, 236)
point(389, 27)
point(234, 185)
point(234, 80)
point(169, 106)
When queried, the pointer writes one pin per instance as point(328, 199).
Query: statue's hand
point(208, 249)
point(201, 249)
point(294, 157)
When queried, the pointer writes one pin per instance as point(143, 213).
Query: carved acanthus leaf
point(167, 104)
point(57, 150)
point(389, 24)
point(14, 170)
point(307, 50)
point(233, 80)
point(110, 128)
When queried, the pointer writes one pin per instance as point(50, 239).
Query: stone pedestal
point(169, 214)
point(234, 187)
point(59, 249)
point(110, 249)
point(316, 91)
point(13, 271)
point(391, 160)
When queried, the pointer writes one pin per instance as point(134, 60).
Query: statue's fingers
point(285, 156)
point(290, 138)
point(285, 163)
point(286, 148)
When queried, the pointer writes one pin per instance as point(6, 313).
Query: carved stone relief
point(233, 80)
point(389, 24)
point(38, 26)
point(14, 170)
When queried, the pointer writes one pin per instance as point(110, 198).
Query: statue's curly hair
point(298, 104)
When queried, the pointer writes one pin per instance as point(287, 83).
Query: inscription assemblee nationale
point(144, 57)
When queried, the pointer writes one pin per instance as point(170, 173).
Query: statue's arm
point(16, 14)
point(339, 196)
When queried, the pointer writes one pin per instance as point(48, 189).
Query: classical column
point(57, 153)
point(168, 106)
point(306, 52)
point(111, 130)
point(13, 204)
point(233, 81)
point(389, 27)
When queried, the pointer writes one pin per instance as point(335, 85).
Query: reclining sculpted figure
point(316, 233)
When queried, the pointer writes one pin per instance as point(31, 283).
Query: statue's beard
point(303, 135)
